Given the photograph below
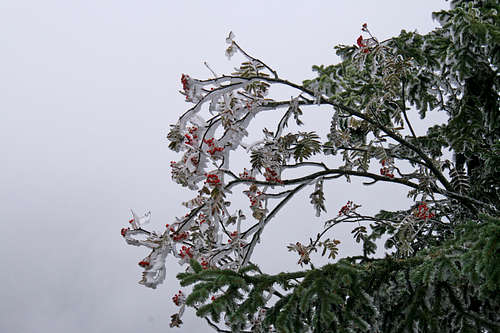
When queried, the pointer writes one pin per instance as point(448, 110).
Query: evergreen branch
point(455, 300)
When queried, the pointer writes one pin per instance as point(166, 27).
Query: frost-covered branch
point(368, 92)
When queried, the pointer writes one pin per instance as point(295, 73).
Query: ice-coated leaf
point(230, 37)
point(154, 272)
point(137, 222)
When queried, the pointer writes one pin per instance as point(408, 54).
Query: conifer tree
point(441, 271)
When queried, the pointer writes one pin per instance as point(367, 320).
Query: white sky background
point(87, 91)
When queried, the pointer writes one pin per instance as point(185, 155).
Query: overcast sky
point(87, 91)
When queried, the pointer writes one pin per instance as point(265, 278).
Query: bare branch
point(403, 108)
point(301, 164)
point(256, 60)
point(264, 222)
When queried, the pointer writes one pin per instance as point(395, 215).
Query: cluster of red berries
point(186, 251)
point(177, 237)
point(202, 218)
point(124, 231)
point(214, 150)
point(346, 208)
point(212, 179)
point(204, 264)
point(143, 263)
point(360, 43)
point(180, 237)
point(246, 175)
point(211, 144)
point(272, 176)
point(364, 47)
point(189, 139)
point(185, 85)
point(423, 212)
point(191, 136)
point(194, 160)
point(385, 171)
point(254, 202)
point(360, 40)
point(178, 298)
point(184, 80)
